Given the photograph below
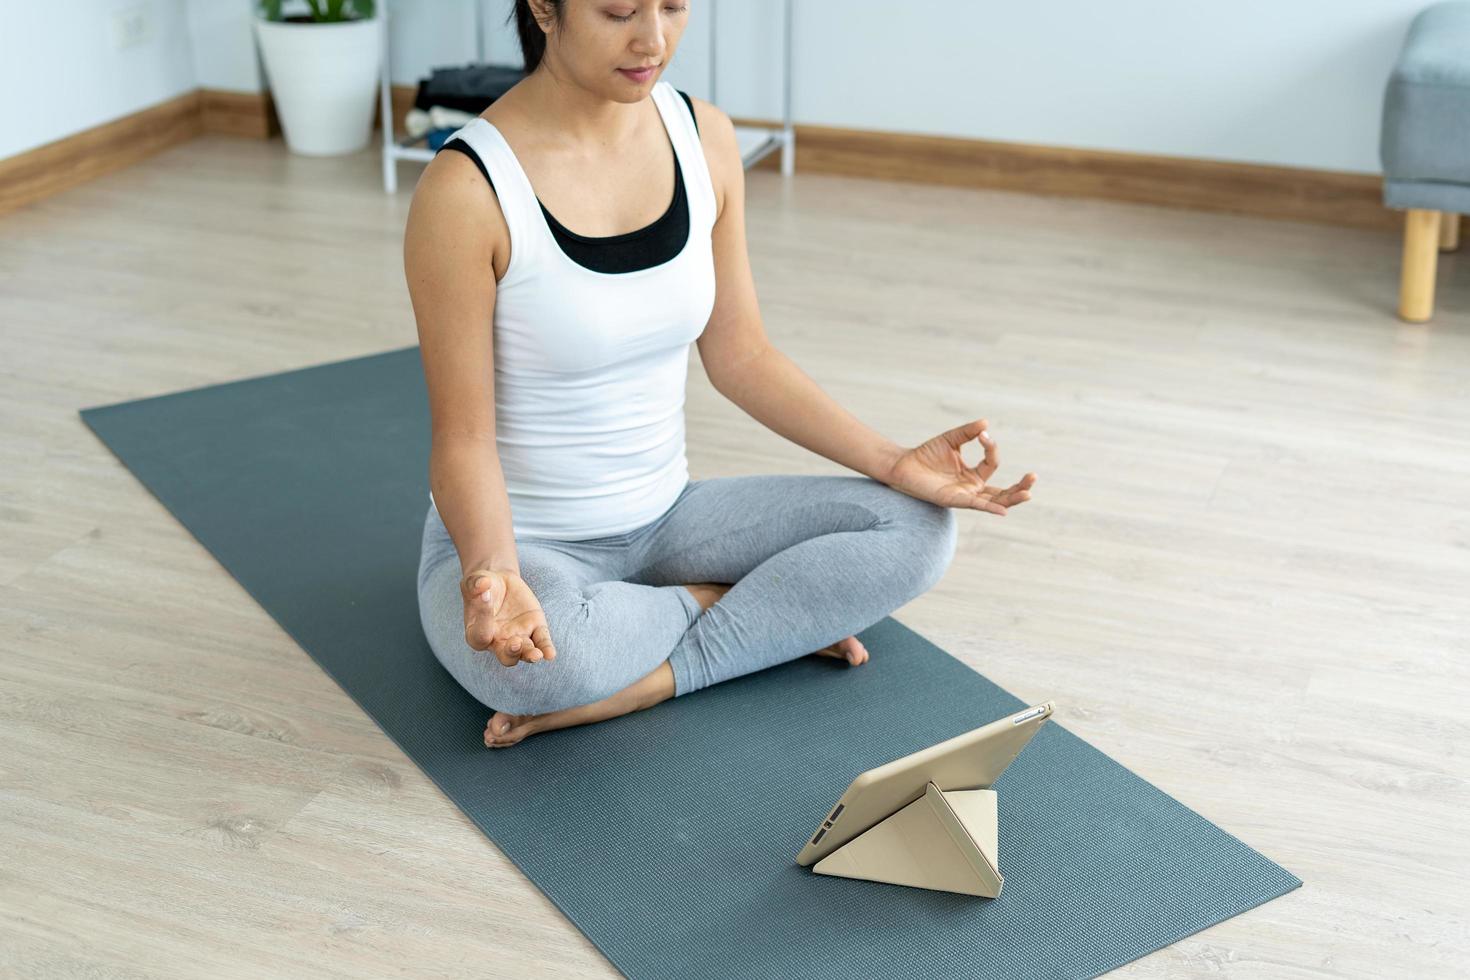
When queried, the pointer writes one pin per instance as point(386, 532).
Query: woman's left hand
point(936, 472)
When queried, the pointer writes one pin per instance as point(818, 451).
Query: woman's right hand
point(501, 614)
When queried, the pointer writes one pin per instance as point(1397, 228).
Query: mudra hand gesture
point(936, 472)
point(501, 614)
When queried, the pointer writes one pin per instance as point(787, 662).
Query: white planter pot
point(324, 81)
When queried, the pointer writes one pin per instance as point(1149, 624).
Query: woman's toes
point(507, 729)
point(850, 649)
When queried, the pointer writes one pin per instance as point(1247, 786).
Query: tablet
point(971, 760)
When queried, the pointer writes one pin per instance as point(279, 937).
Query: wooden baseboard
point(1297, 194)
point(240, 113)
point(84, 156)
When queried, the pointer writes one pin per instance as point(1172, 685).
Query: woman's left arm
point(744, 367)
point(738, 357)
point(771, 389)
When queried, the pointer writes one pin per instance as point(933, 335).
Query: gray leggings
point(812, 559)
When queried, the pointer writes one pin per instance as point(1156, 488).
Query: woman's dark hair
point(533, 38)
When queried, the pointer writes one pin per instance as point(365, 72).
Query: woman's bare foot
point(505, 729)
point(850, 649)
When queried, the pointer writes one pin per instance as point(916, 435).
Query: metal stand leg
point(788, 134)
point(385, 107)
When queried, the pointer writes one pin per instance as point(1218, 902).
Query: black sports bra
point(651, 245)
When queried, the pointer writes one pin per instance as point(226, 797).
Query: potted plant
point(323, 69)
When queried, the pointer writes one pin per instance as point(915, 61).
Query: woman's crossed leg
point(798, 563)
point(811, 559)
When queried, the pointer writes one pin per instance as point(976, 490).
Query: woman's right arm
point(453, 233)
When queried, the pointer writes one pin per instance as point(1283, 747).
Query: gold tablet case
point(945, 840)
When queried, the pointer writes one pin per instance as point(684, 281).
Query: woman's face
point(598, 43)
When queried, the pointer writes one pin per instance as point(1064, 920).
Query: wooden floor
point(1243, 573)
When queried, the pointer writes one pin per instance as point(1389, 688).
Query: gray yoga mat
point(668, 835)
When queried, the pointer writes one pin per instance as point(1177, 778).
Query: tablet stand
point(945, 840)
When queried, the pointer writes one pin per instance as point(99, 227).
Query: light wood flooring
point(1245, 572)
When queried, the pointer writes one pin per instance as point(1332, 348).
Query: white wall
point(222, 45)
point(60, 72)
point(1293, 83)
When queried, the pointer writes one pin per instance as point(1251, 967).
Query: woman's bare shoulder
point(721, 148)
point(453, 201)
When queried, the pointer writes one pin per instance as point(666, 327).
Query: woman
point(571, 571)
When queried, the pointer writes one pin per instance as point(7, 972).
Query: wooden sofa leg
point(1449, 231)
point(1421, 250)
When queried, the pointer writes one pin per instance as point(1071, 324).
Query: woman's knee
point(527, 687)
point(534, 688)
point(941, 536)
point(932, 529)
point(573, 677)
point(539, 686)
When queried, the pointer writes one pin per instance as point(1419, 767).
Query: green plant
point(322, 11)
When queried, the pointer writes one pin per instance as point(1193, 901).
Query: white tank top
point(590, 366)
